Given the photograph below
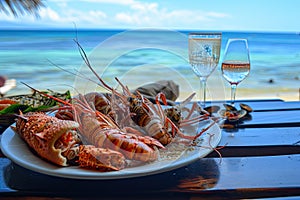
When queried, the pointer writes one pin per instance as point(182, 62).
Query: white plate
point(17, 150)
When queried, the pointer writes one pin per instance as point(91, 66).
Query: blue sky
point(230, 15)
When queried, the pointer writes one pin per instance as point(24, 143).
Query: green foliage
point(34, 102)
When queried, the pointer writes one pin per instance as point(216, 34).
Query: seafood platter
point(112, 135)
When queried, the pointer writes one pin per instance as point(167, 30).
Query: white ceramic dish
point(17, 150)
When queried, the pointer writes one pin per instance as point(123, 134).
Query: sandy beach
point(217, 88)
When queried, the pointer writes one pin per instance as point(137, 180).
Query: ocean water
point(41, 58)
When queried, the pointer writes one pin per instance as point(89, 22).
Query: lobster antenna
point(79, 74)
point(47, 95)
point(87, 62)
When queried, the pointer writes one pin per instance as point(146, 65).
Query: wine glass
point(204, 54)
point(236, 63)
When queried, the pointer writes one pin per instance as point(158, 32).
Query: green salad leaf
point(14, 108)
point(34, 102)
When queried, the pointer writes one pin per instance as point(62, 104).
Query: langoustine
point(143, 115)
point(58, 142)
point(101, 131)
point(153, 120)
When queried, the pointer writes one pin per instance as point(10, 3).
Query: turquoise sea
point(142, 56)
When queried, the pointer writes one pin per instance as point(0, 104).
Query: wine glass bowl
point(236, 63)
point(204, 54)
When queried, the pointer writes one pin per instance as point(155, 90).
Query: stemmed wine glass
point(236, 63)
point(204, 54)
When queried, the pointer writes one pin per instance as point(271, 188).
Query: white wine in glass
point(236, 63)
point(204, 54)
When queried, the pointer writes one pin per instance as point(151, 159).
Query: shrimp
point(101, 131)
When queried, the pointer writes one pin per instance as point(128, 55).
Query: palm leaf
point(20, 7)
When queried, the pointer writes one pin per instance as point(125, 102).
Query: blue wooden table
point(260, 158)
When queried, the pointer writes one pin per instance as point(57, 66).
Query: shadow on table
point(202, 174)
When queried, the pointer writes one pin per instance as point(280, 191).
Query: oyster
point(246, 107)
point(212, 109)
point(229, 107)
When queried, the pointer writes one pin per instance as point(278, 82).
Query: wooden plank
point(265, 105)
point(259, 142)
point(271, 118)
point(274, 176)
point(274, 105)
point(261, 136)
point(232, 177)
point(245, 171)
point(245, 151)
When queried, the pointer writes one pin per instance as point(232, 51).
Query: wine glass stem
point(203, 87)
point(233, 92)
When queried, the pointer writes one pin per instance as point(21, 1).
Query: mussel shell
point(212, 109)
point(229, 107)
point(232, 115)
point(246, 107)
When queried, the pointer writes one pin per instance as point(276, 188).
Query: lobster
point(144, 113)
point(103, 132)
point(57, 141)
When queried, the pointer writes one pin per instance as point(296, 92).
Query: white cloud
point(217, 15)
point(120, 2)
point(97, 14)
point(47, 13)
point(5, 17)
point(144, 7)
point(124, 18)
point(138, 13)
point(149, 14)
point(126, 13)
point(69, 16)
